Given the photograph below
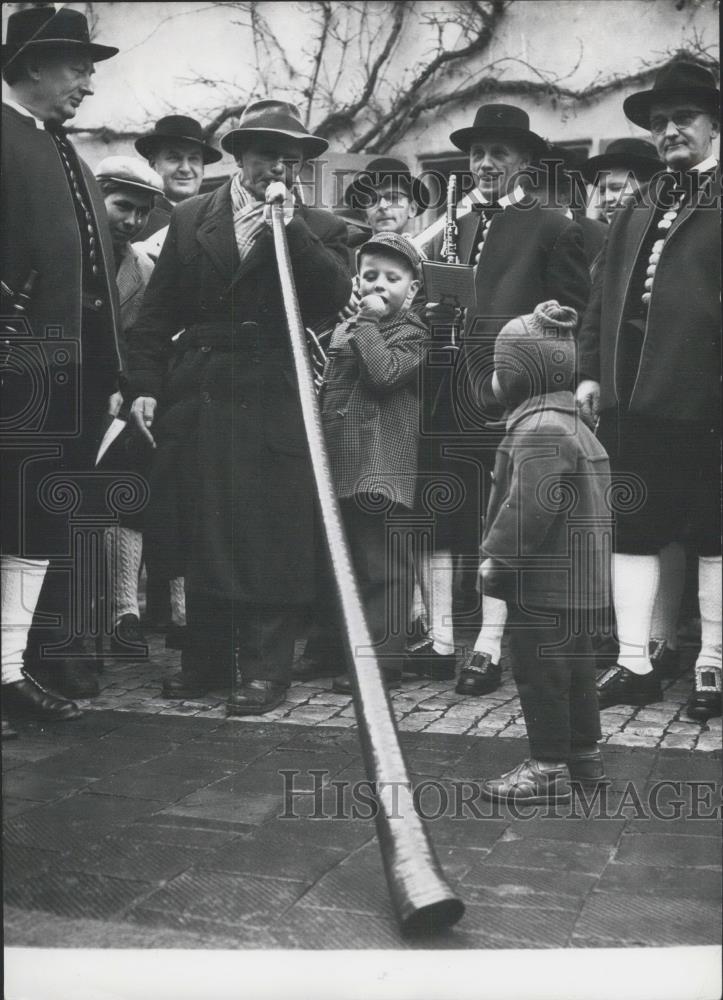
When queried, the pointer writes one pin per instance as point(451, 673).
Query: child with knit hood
point(546, 551)
point(370, 412)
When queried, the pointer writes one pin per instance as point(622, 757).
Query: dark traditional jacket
point(51, 402)
point(530, 255)
point(678, 377)
point(548, 526)
point(370, 406)
point(158, 218)
point(232, 500)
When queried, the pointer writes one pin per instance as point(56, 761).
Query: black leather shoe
point(665, 662)
point(128, 640)
point(427, 663)
point(26, 699)
point(256, 697)
point(532, 781)
point(705, 702)
point(587, 766)
point(8, 732)
point(306, 669)
point(620, 686)
point(479, 675)
point(343, 685)
point(69, 678)
point(419, 636)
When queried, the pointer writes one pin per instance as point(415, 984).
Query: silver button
point(97, 302)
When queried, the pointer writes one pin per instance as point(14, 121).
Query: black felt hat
point(681, 78)
point(636, 155)
point(176, 127)
point(48, 28)
point(376, 173)
point(503, 121)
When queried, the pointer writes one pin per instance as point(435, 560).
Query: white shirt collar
point(517, 195)
point(23, 111)
point(710, 163)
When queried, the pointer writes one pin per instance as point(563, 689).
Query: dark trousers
point(554, 671)
point(378, 537)
point(265, 637)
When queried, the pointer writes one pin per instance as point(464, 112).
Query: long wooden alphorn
point(422, 900)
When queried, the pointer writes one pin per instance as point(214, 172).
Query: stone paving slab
point(419, 706)
point(178, 838)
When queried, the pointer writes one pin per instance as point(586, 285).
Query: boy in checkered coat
point(370, 412)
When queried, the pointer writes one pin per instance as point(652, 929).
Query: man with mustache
point(650, 366)
point(58, 271)
point(524, 254)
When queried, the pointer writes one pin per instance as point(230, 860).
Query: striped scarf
point(248, 217)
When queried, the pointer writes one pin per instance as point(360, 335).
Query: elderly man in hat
point(524, 254)
point(232, 499)
point(60, 318)
point(619, 172)
point(650, 361)
point(178, 152)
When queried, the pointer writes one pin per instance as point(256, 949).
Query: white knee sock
point(21, 580)
point(664, 623)
point(709, 599)
point(436, 576)
point(124, 550)
point(494, 619)
point(178, 600)
point(635, 584)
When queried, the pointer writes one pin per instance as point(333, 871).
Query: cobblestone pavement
point(420, 706)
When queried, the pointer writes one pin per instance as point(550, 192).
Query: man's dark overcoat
point(678, 377)
point(51, 404)
point(232, 498)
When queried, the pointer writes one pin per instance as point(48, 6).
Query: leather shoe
point(479, 675)
point(705, 702)
point(202, 670)
point(620, 686)
point(127, 638)
point(426, 662)
point(26, 699)
point(665, 662)
point(306, 669)
point(343, 684)
point(587, 766)
point(8, 732)
point(256, 697)
point(69, 678)
point(532, 781)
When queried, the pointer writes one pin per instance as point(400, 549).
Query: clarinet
point(449, 250)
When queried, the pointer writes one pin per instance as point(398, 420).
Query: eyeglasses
point(681, 119)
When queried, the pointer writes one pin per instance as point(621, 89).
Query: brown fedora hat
point(48, 28)
point(263, 119)
point(176, 127)
point(681, 78)
point(503, 121)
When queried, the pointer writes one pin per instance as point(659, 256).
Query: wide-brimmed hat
point(635, 155)
point(263, 119)
point(48, 28)
point(378, 172)
point(131, 172)
point(394, 243)
point(502, 120)
point(174, 127)
point(680, 78)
